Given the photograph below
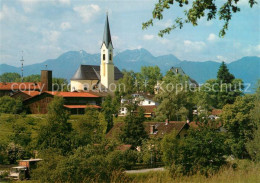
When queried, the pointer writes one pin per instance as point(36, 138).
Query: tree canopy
point(209, 9)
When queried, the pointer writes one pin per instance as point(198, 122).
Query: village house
point(144, 100)
point(75, 102)
point(154, 129)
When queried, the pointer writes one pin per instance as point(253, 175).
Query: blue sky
point(45, 29)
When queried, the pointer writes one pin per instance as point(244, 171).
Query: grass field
point(247, 172)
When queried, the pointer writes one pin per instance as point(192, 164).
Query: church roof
point(92, 72)
point(107, 36)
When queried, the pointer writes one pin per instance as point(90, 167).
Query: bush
point(10, 105)
point(202, 151)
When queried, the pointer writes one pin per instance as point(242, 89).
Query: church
point(90, 77)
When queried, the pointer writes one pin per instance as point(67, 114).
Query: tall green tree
point(175, 98)
point(239, 124)
point(194, 12)
point(224, 75)
point(147, 78)
point(9, 77)
point(108, 109)
point(126, 85)
point(133, 131)
point(57, 132)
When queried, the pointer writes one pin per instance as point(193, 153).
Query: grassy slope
point(246, 173)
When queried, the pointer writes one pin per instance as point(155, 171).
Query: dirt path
point(145, 170)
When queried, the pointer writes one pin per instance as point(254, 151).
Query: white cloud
point(148, 37)
point(164, 24)
point(221, 58)
point(65, 2)
point(65, 25)
point(115, 38)
point(51, 36)
point(212, 37)
point(252, 50)
point(87, 12)
point(194, 46)
point(163, 41)
point(10, 14)
point(29, 5)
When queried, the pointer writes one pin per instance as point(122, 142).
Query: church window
point(104, 57)
point(110, 57)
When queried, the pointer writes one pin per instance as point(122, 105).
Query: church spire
point(107, 36)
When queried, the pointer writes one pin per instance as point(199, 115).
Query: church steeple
point(107, 36)
point(106, 64)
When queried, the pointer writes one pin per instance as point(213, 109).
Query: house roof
point(145, 95)
point(123, 147)
point(92, 72)
point(20, 86)
point(81, 106)
point(161, 128)
point(148, 108)
point(179, 70)
point(107, 36)
point(213, 124)
point(32, 93)
point(216, 112)
point(72, 94)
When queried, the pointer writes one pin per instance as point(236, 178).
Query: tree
point(253, 146)
point(31, 78)
point(57, 132)
point(175, 98)
point(133, 131)
point(202, 151)
point(108, 109)
point(9, 77)
point(224, 75)
point(14, 152)
point(10, 105)
point(126, 85)
point(148, 78)
point(223, 90)
point(60, 84)
point(198, 10)
point(239, 125)
point(88, 129)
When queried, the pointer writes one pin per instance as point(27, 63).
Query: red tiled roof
point(20, 86)
point(81, 106)
point(72, 94)
point(32, 93)
point(216, 112)
point(148, 108)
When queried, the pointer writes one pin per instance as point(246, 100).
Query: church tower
point(106, 65)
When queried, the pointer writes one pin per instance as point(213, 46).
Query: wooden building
point(75, 102)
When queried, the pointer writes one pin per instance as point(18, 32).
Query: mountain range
point(246, 68)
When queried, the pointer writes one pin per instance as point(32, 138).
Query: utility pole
point(22, 60)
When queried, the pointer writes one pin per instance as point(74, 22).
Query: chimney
point(152, 129)
point(166, 122)
point(46, 80)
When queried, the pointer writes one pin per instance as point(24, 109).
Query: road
point(145, 170)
